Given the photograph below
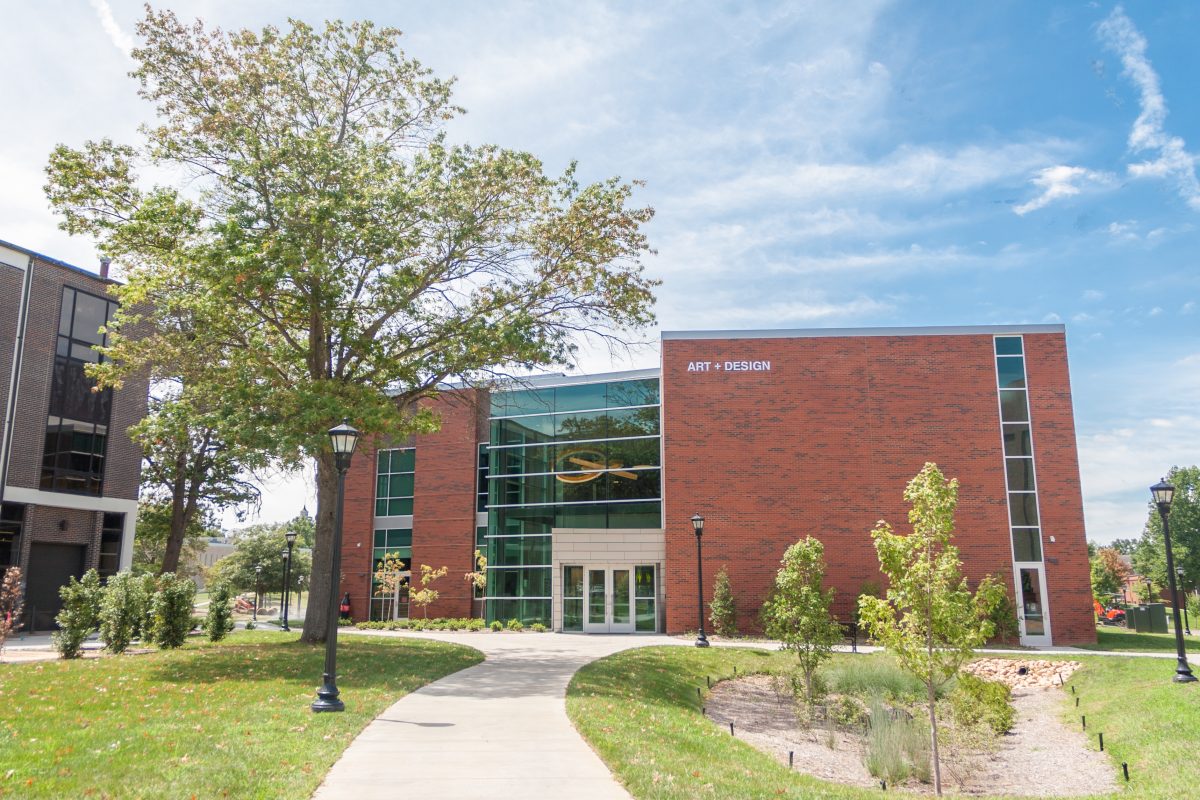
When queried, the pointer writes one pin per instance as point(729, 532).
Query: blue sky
point(812, 164)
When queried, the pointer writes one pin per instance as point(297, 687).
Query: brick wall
point(443, 507)
point(1068, 573)
point(43, 524)
point(123, 457)
point(824, 443)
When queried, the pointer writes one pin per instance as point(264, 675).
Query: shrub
point(145, 622)
point(122, 609)
point(345, 623)
point(1193, 607)
point(537, 627)
point(873, 675)
point(79, 615)
point(975, 700)
point(896, 746)
point(219, 621)
point(456, 624)
point(723, 608)
point(12, 600)
point(515, 625)
point(475, 624)
point(250, 625)
point(171, 610)
point(497, 625)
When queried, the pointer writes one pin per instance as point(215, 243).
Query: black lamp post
point(287, 575)
point(344, 439)
point(1163, 494)
point(698, 525)
point(1187, 627)
point(257, 588)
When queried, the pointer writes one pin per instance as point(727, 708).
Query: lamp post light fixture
point(1163, 493)
point(257, 588)
point(299, 592)
point(344, 439)
point(287, 575)
point(698, 526)
point(1187, 626)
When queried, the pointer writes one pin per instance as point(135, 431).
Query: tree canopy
point(328, 252)
point(260, 545)
point(1150, 555)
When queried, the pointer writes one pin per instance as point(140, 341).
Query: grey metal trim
point(398, 522)
point(816, 333)
point(549, 381)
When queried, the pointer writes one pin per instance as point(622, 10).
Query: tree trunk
point(316, 622)
point(178, 530)
point(933, 735)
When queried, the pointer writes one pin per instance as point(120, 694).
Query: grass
point(206, 721)
point(639, 709)
point(1123, 640)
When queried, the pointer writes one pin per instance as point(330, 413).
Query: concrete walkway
point(498, 729)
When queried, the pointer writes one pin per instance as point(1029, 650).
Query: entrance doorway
point(50, 566)
point(1035, 622)
point(610, 598)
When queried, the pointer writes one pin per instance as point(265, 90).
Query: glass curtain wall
point(578, 456)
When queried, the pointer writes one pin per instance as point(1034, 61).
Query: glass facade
point(584, 455)
point(77, 424)
point(1019, 470)
point(391, 570)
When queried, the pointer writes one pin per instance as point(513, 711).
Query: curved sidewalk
point(498, 729)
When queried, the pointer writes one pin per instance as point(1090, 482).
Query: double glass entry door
point(608, 592)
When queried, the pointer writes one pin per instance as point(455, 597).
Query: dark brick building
point(580, 489)
point(69, 472)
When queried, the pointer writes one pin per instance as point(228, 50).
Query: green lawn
point(206, 721)
point(1120, 639)
point(639, 709)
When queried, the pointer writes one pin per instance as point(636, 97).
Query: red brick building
point(69, 472)
point(581, 489)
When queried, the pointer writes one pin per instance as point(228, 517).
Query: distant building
point(69, 472)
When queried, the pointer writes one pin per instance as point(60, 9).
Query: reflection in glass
point(1027, 545)
point(1031, 603)
point(1023, 508)
point(1011, 372)
point(596, 597)
point(1008, 345)
point(1014, 406)
point(621, 596)
point(1020, 474)
point(1017, 441)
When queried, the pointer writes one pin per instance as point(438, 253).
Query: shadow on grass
point(367, 664)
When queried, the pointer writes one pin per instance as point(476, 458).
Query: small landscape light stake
point(735, 670)
point(883, 785)
point(1083, 722)
point(791, 758)
point(1102, 743)
point(1072, 690)
point(699, 696)
point(1125, 769)
point(703, 711)
point(1077, 702)
point(708, 679)
point(731, 729)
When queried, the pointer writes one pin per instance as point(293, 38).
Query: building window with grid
point(391, 572)
point(77, 424)
point(394, 483)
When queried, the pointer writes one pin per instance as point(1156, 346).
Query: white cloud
point(1188, 307)
point(122, 40)
point(1169, 155)
point(1092, 295)
point(1154, 312)
point(1061, 181)
point(1051, 318)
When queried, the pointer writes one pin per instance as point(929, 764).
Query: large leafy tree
point(190, 466)
point(259, 545)
point(929, 619)
point(1109, 574)
point(1150, 555)
point(330, 251)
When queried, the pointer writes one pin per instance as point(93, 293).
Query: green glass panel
point(572, 615)
point(581, 397)
point(633, 422)
point(399, 537)
point(481, 536)
point(535, 611)
point(381, 486)
point(530, 401)
point(633, 393)
point(572, 581)
point(1023, 508)
point(1026, 544)
point(585, 516)
point(404, 460)
point(1014, 406)
point(537, 519)
point(383, 462)
point(381, 507)
point(622, 590)
point(401, 485)
point(1010, 372)
point(643, 581)
point(506, 552)
point(581, 425)
point(400, 507)
point(634, 453)
point(1031, 603)
point(380, 539)
point(635, 515)
point(582, 488)
point(634, 485)
point(523, 430)
point(1008, 345)
point(1020, 474)
point(595, 597)
point(644, 616)
point(1017, 441)
point(536, 550)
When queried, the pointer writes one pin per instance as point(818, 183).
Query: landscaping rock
point(1023, 673)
